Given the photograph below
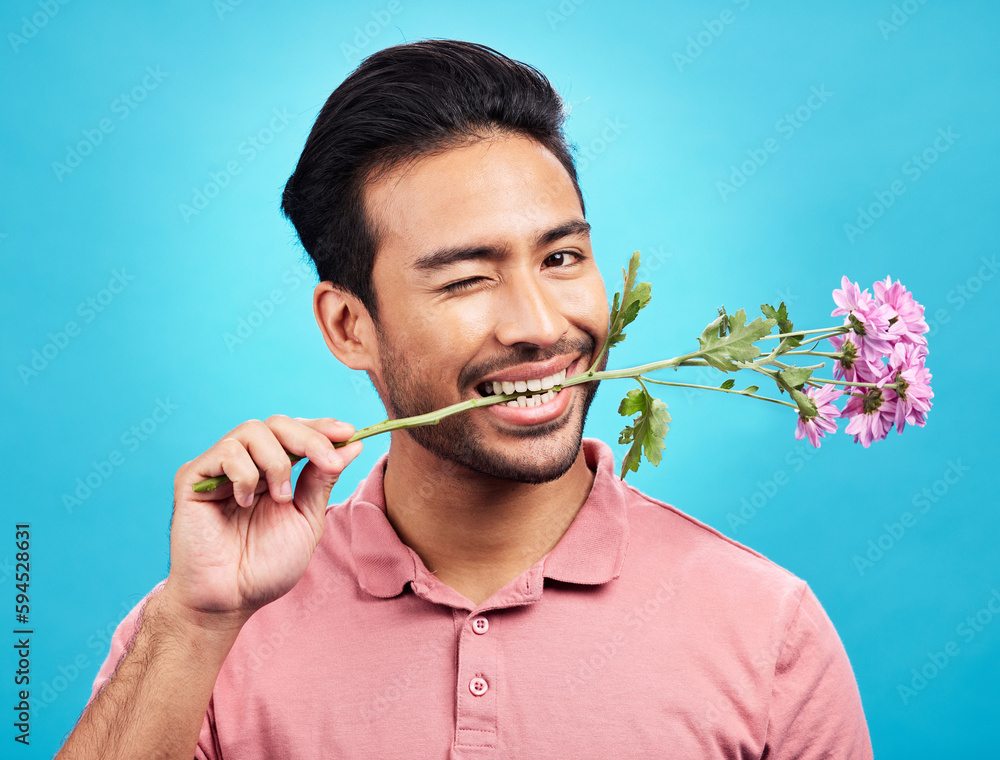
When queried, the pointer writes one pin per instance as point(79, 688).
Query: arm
point(155, 701)
point(815, 710)
point(232, 551)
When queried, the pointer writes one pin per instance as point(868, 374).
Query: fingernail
point(286, 488)
point(334, 459)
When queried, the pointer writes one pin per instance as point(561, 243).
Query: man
point(491, 589)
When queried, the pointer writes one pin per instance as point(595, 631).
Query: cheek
point(586, 303)
point(439, 343)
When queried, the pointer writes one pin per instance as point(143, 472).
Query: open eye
point(579, 257)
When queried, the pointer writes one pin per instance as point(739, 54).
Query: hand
point(249, 541)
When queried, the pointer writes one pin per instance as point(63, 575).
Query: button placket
point(478, 681)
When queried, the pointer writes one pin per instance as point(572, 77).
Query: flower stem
point(716, 388)
point(831, 330)
point(813, 353)
point(434, 417)
point(821, 381)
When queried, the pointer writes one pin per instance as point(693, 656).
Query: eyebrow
point(444, 257)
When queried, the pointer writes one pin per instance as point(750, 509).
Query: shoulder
point(664, 537)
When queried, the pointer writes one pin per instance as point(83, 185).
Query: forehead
point(487, 192)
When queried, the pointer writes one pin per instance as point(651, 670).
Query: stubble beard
point(457, 441)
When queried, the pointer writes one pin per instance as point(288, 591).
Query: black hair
point(402, 103)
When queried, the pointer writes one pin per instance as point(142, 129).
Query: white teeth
point(545, 384)
point(534, 400)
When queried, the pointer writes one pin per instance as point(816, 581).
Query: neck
point(476, 532)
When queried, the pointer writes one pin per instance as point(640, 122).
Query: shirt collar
point(591, 551)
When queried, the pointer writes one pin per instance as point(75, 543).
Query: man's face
point(534, 295)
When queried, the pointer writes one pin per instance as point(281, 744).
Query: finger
point(312, 491)
point(269, 443)
point(311, 439)
point(228, 457)
point(333, 429)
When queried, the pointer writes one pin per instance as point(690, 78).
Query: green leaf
point(633, 403)
point(750, 389)
point(779, 315)
point(647, 431)
point(737, 345)
point(790, 342)
point(632, 298)
point(728, 383)
point(724, 324)
point(796, 376)
point(784, 326)
point(807, 407)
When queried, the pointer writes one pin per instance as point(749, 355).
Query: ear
point(346, 326)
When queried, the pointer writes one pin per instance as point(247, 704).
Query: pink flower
point(868, 319)
point(854, 365)
point(850, 298)
point(913, 392)
point(871, 412)
point(825, 420)
point(907, 320)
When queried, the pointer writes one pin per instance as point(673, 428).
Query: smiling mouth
point(530, 392)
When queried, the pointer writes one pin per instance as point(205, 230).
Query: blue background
point(667, 101)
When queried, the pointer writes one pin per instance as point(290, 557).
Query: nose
point(531, 312)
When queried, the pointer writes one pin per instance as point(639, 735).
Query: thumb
point(312, 491)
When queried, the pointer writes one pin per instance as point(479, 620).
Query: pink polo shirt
point(644, 633)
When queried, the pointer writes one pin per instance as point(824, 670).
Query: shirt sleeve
point(815, 710)
point(121, 642)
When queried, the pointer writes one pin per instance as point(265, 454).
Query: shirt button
point(480, 625)
point(478, 686)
